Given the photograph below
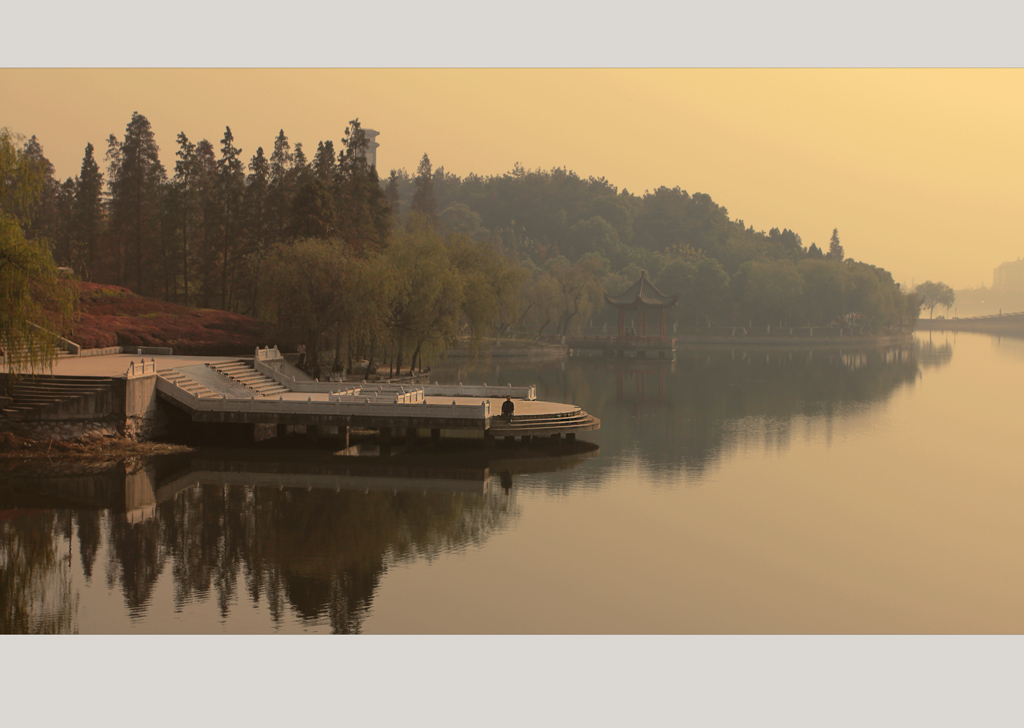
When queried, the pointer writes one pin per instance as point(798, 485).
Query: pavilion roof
point(643, 291)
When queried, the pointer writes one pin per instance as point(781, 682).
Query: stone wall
point(45, 430)
point(128, 408)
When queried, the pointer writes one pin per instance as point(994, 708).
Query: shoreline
point(15, 450)
point(555, 352)
point(792, 341)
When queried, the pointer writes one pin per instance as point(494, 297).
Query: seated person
point(507, 408)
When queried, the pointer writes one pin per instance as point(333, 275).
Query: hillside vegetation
point(114, 316)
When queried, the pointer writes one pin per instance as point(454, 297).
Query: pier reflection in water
point(273, 541)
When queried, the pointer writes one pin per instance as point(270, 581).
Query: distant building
point(1009, 276)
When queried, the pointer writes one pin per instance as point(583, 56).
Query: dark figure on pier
point(508, 408)
point(302, 356)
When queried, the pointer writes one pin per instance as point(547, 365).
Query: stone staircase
point(186, 383)
point(41, 397)
point(544, 424)
point(243, 372)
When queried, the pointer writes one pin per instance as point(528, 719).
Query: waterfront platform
point(269, 397)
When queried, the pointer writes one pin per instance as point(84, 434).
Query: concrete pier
point(235, 396)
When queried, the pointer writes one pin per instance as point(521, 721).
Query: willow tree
point(35, 302)
point(301, 284)
point(491, 287)
point(427, 303)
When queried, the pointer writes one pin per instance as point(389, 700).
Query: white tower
point(371, 146)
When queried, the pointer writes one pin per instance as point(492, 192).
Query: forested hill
point(538, 215)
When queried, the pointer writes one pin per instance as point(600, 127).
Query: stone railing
point(264, 362)
point(268, 354)
point(337, 404)
point(483, 390)
point(141, 369)
point(59, 341)
point(364, 395)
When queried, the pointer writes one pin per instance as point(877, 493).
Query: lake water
point(795, 491)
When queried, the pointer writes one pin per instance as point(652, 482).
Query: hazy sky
point(920, 170)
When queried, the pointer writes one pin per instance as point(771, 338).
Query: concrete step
point(38, 394)
point(244, 373)
point(186, 384)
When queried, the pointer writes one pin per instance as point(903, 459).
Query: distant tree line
point(579, 237)
point(400, 268)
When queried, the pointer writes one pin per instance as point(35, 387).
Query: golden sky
point(920, 170)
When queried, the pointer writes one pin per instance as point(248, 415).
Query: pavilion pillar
point(622, 322)
point(662, 322)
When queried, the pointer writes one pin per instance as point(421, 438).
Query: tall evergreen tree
point(63, 246)
point(312, 210)
point(170, 240)
point(300, 165)
point(135, 179)
point(231, 186)
point(257, 191)
point(835, 249)
point(393, 196)
point(423, 202)
point(323, 162)
point(187, 207)
point(279, 191)
point(42, 220)
point(87, 216)
point(364, 213)
point(209, 223)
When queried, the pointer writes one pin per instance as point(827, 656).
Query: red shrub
point(114, 316)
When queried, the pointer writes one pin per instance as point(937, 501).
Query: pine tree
point(63, 245)
point(423, 203)
point(323, 163)
point(231, 188)
point(364, 219)
point(87, 216)
point(42, 218)
point(835, 250)
point(279, 191)
point(135, 178)
point(187, 206)
point(393, 196)
point(257, 190)
point(209, 222)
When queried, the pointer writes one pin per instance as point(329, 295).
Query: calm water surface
point(734, 492)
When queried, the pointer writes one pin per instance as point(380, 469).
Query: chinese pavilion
point(643, 298)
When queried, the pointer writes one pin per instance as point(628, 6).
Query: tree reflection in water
point(684, 416)
point(317, 552)
point(719, 400)
point(320, 551)
point(36, 596)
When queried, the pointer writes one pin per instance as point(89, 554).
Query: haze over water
point(797, 491)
